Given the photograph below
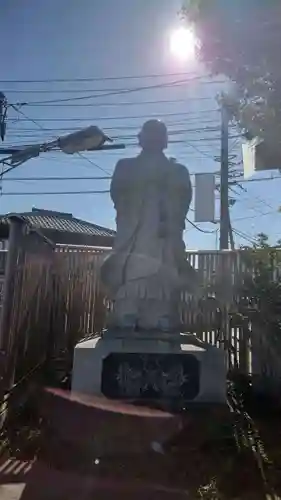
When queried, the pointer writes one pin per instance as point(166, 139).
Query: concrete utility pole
point(224, 208)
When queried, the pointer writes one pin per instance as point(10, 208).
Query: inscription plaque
point(150, 376)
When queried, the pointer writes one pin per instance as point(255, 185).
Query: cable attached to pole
point(3, 115)
point(224, 201)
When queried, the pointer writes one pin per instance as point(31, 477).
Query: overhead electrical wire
point(186, 143)
point(40, 126)
point(64, 101)
point(68, 90)
point(181, 154)
point(235, 231)
point(183, 142)
point(128, 103)
point(74, 178)
point(245, 237)
point(273, 212)
point(108, 78)
point(260, 179)
point(106, 191)
point(133, 136)
point(250, 207)
point(11, 179)
point(26, 144)
point(109, 93)
point(22, 193)
point(106, 118)
point(199, 228)
point(118, 91)
point(210, 128)
point(181, 123)
point(175, 84)
point(30, 132)
point(176, 119)
point(253, 197)
point(259, 200)
point(124, 129)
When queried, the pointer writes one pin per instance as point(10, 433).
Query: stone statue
point(147, 270)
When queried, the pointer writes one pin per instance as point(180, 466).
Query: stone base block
point(150, 367)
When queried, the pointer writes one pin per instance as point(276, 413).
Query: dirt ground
point(232, 458)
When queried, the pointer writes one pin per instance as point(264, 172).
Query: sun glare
point(183, 43)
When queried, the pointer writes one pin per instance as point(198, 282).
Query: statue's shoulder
point(125, 163)
point(180, 169)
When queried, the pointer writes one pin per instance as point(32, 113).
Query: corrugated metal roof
point(56, 221)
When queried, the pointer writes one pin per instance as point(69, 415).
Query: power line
point(91, 90)
point(261, 200)
point(42, 128)
point(256, 216)
point(253, 197)
point(171, 131)
point(242, 181)
point(107, 191)
point(252, 207)
point(175, 84)
point(10, 179)
point(196, 124)
point(184, 142)
point(110, 118)
point(113, 92)
point(66, 178)
point(235, 143)
point(113, 155)
point(43, 193)
point(244, 236)
point(105, 78)
point(21, 193)
point(129, 103)
point(258, 198)
point(199, 228)
point(203, 153)
point(30, 132)
point(182, 120)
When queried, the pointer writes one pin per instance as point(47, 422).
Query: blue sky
point(66, 39)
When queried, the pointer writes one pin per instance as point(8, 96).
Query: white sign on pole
point(204, 198)
point(249, 156)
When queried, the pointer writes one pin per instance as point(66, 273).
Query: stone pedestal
point(150, 366)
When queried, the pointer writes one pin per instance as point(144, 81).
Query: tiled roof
point(58, 221)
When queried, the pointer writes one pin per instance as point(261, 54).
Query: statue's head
point(153, 136)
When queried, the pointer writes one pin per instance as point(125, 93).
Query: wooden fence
point(25, 332)
point(53, 299)
point(84, 307)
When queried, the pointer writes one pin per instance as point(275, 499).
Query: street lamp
point(87, 139)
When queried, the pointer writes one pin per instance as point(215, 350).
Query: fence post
point(244, 349)
point(15, 243)
point(15, 240)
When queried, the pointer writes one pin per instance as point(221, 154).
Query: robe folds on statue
point(147, 267)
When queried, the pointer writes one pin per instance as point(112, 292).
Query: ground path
point(21, 480)
point(209, 459)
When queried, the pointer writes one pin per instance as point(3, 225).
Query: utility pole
point(224, 208)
